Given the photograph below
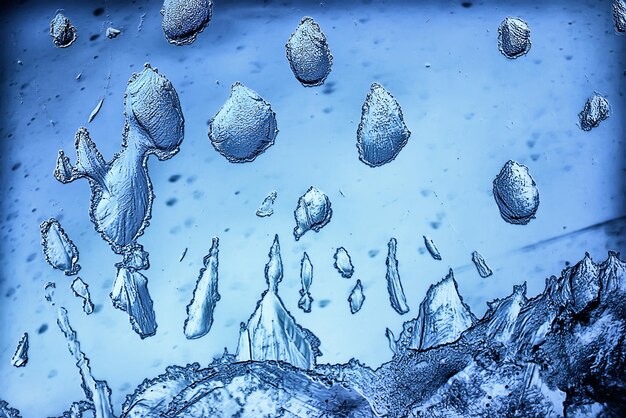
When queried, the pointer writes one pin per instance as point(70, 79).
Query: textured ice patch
point(516, 193)
point(312, 213)
point(343, 263)
point(183, 20)
point(62, 31)
point(513, 37)
point(81, 290)
point(58, 248)
point(308, 53)
point(481, 265)
point(595, 111)
point(306, 279)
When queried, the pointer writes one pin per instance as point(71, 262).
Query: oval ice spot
point(244, 127)
point(308, 53)
point(313, 212)
point(513, 37)
point(343, 263)
point(62, 31)
point(619, 15)
point(356, 298)
point(183, 20)
point(516, 194)
point(595, 111)
point(382, 132)
point(59, 250)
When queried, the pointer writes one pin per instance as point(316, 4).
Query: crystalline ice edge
point(356, 297)
point(244, 127)
point(513, 37)
point(382, 132)
point(272, 333)
point(267, 206)
point(183, 20)
point(306, 279)
point(394, 286)
point(481, 265)
point(20, 357)
point(312, 212)
point(112, 33)
point(130, 294)
point(432, 249)
point(81, 290)
point(343, 263)
point(7, 412)
point(516, 193)
point(58, 248)
point(619, 15)
point(205, 296)
point(62, 32)
point(595, 111)
point(308, 53)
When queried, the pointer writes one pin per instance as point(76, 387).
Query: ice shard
point(481, 265)
point(205, 296)
point(516, 193)
point(595, 111)
point(432, 249)
point(244, 127)
point(96, 390)
point(81, 290)
point(62, 31)
point(513, 37)
point(619, 15)
point(382, 132)
point(343, 263)
point(356, 297)
point(183, 20)
point(7, 412)
point(130, 294)
point(308, 53)
point(112, 33)
point(394, 285)
point(503, 313)
point(49, 292)
point(312, 213)
point(58, 248)
point(267, 206)
point(272, 333)
point(20, 357)
point(95, 110)
point(306, 278)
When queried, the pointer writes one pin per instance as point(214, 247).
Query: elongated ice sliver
point(394, 285)
point(20, 357)
point(306, 279)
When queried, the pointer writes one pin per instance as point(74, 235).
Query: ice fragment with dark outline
point(432, 249)
point(619, 15)
point(481, 265)
point(267, 206)
point(312, 213)
point(595, 111)
point(356, 297)
point(308, 53)
point(112, 33)
point(306, 279)
point(81, 290)
point(394, 285)
point(58, 248)
point(183, 20)
point(514, 37)
point(516, 193)
point(130, 294)
point(20, 357)
point(343, 263)
point(62, 31)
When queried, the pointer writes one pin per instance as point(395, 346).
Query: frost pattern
point(312, 213)
point(81, 290)
point(516, 193)
point(58, 248)
point(20, 357)
point(267, 207)
point(356, 297)
point(513, 37)
point(432, 249)
point(308, 53)
point(394, 285)
point(306, 278)
point(481, 265)
point(62, 31)
point(595, 111)
point(183, 20)
point(343, 263)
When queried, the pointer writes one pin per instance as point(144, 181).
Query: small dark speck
point(99, 11)
point(171, 202)
point(174, 178)
point(534, 157)
point(227, 229)
point(567, 263)
point(16, 166)
point(10, 292)
point(97, 308)
point(52, 373)
point(466, 4)
point(31, 257)
point(364, 20)
point(537, 61)
point(237, 192)
point(372, 253)
point(568, 57)
point(327, 109)
point(240, 47)
point(323, 303)
point(435, 225)
point(43, 328)
point(94, 36)
point(329, 87)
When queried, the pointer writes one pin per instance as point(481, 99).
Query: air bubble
point(183, 20)
point(513, 37)
point(312, 213)
point(595, 111)
point(62, 32)
point(308, 53)
point(516, 193)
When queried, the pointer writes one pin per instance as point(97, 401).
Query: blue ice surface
point(469, 110)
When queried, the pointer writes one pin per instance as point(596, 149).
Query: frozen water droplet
point(272, 333)
point(205, 296)
point(343, 263)
point(432, 249)
point(513, 37)
point(516, 193)
point(394, 285)
point(306, 278)
point(312, 213)
point(95, 111)
point(481, 265)
point(356, 297)
point(595, 111)
point(619, 15)
point(183, 20)
point(59, 250)
point(112, 32)
point(62, 32)
point(49, 292)
point(130, 294)
point(20, 357)
point(81, 290)
point(382, 132)
point(244, 127)
point(308, 53)
point(267, 207)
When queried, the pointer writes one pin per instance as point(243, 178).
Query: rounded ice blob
point(183, 20)
point(244, 127)
point(382, 132)
point(516, 193)
point(308, 53)
point(313, 212)
point(62, 31)
point(595, 111)
point(513, 37)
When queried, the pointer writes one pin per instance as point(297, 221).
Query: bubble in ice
point(382, 132)
point(81, 290)
point(619, 15)
point(481, 265)
point(244, 127)
point(267, 206)
point(356, 297)
point(343, 263)
point(394, 285)
point(432, 248)
point(111, 32)
point(183, 20)
point(595, 111)
point(205, 296)
point(516, 193)
point(312, 213)
point(272, 333)
point(308, 53)
point(130, 294)
point(513, 37)
point(58, 248)
point(20, 357)
point(62, 31)
point(306, 279)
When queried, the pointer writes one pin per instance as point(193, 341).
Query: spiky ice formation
point(308, 53)
point(267, 206)
point(394, 285)
point(58, 248)
point(513, 37)
point(516, 193)
point(343, 263)
point(306, 279)
point(183, 20)
point(313, 212)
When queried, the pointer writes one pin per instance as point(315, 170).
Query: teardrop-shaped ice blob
point(308, 53)
point(313, 212)
point(513, 37)
point(60, 251)
point(619, 15)
point(244, 127)
point(183, 20)
point(595, 111)
point(516, 193)
point(382, 132)
point(356, 297)
point(62, 31)
point(343, 263)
